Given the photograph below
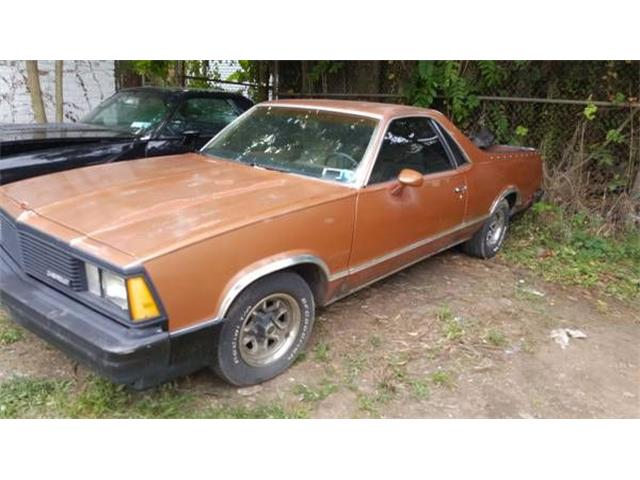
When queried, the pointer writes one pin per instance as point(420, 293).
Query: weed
point(452, 328)
point(29, 398)
point(371, 403)
point(444, 314)
point(375, 341)
point(420, 389)
point(321, 352)
point(496, 338)
point(9, 333)
point(98, 398)
point(354, 366)
point(315, 394)
point(261, 411)
point(441, 378)
point(568, 249)
point(368, 404)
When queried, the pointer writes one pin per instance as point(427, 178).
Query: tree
point(33, 80)
point(59, 99)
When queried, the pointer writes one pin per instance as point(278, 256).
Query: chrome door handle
point(461, 189)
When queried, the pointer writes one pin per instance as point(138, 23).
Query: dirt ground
point(450, 337)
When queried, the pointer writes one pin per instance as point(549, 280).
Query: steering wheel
point(340, 160)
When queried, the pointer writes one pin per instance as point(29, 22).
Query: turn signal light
point(141, 302)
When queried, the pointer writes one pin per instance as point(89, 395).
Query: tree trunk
point(59, 99)
point(33, 79)
point(304, 76)
point(180, 67)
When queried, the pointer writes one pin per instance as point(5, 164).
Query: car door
point(395, 224)
point(192, 124)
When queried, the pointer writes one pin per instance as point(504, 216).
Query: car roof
point(183, 91)
point(381, 110)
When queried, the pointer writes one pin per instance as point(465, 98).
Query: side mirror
point(410, 178)
point(407, 178)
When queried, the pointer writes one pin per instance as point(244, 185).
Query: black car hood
point(23, 138)
point(33, 132)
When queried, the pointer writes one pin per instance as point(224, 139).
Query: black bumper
point(139, 357)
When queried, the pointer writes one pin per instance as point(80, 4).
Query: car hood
point(148, 207)
point(34, 132)
point(17, 139)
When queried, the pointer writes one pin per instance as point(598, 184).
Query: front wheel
point(266, 328)
point(489, 239)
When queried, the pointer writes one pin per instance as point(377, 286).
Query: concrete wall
point(85, 85)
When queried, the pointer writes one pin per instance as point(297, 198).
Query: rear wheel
point(266, 328)
point(489, 239)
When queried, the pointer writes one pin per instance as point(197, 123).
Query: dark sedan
point(133, 123)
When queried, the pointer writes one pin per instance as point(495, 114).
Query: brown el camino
point(150, 269)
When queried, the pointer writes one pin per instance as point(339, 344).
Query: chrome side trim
point(507, 191)
point(388, 274)
point(401, 251)
point(264, 270)
point(195, 326)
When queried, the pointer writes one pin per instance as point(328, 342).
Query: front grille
point(9, 239)
point(51, 264)
point(40, 258)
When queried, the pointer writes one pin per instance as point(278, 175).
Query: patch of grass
point(315, 394)
point(496, 338)
point(28, 398)
point(98, 398)
point(9, 333)
point(371, 404)
point(453, 330)
point(261, 411)
point(420, 389)
point(568, 249)
point(444, 313)
point(441, 378)
point(321, 352)
point(368, 404)
point(452, 325)
point(354, 365)
point(375, 341)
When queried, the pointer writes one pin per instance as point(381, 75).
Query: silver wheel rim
point(496, 230)
point(269, 329)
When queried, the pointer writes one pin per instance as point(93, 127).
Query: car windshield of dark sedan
point(134, 112)
point(310, 142)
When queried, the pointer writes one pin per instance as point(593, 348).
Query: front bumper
point(140, 357)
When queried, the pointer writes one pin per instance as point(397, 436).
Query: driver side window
point(204, 115)
point(410, 143)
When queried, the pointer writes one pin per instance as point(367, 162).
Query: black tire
point(480, 245)
point(232, 361)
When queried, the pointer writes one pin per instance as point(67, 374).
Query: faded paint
point(196, 223)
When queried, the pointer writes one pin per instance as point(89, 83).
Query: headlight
point(114, 289)
point(132, 294)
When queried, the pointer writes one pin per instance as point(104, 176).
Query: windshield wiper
point(268, 167)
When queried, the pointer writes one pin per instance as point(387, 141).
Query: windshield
point(134, 112)
point(310, 142)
